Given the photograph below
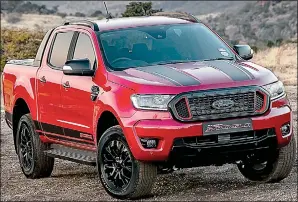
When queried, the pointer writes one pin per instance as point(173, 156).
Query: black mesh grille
point(259, 101)
point(219, 104)
point(243, 102)
point(181, 108)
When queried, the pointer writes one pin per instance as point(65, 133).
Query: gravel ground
point(71, 181)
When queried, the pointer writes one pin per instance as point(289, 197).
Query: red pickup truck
point(146, 95)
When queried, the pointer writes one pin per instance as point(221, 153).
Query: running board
point(71, 154)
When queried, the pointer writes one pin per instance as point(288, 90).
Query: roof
point(122, 23)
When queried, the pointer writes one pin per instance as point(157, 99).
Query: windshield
point(162, 44)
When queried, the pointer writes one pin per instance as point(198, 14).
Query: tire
point(115, 161)
point(277, 168)
point(35, 164)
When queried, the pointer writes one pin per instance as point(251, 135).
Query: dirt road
point(71, 181)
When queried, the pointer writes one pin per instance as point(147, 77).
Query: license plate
point(231, 126)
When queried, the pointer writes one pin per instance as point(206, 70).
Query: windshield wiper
point(226, 58)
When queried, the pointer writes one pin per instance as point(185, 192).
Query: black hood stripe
point(231, 70)
point(243, 69)
point(175, 76)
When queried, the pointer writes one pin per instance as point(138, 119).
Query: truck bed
point(17, 74)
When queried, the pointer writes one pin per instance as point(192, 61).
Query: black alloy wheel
point(121, 175)
point(117, 164)
point(26, 149)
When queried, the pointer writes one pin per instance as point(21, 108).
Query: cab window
point(84, 49)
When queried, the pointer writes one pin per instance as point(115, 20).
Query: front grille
point(202, 105)
point(259, 101)
point(244, 102)
point(182, 109)
point(209, 140)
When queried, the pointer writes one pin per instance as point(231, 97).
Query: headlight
point(276, 89)
point(151, 102)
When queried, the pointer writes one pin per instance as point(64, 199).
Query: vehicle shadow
point(206, 179)
point(86, 175)
point(66, 169)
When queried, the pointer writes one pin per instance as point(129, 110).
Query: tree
point(139, 9)
point(96, 13)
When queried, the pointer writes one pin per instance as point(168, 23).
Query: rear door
point(49, 79)
point(77, 106)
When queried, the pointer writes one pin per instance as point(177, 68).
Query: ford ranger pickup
point(140, 96)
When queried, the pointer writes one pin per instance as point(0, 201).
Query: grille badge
point(223, 104)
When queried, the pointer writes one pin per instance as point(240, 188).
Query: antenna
point(108, 14)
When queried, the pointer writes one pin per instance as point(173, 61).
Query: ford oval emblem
point(223, 104)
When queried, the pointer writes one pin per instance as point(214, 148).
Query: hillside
point(260, 25)
point(257, 25)
point(195, 7)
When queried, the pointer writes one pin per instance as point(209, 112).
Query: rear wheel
point(121, 175)
point(34, 163)
point(273, 169)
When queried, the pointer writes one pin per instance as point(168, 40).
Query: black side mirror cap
point(78, 67)
point(244, 51)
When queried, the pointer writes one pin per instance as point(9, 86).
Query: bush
point(255, 49)
point(270, 44)
point(62, 15)
point(139, 9)
point(96, 14)
point(278, 42)
point(78, 14)
point(19, 44)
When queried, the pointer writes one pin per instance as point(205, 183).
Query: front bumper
point(160, 125)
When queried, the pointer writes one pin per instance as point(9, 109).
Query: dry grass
point(38, 22)
point(281, 60)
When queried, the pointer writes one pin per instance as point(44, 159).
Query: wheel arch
point(20, 108)
point(106, 120)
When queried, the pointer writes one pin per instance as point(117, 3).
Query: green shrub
point(79, 14)
point(270, 44)
point(255, 49)
point(62, 15)
point(19, 44)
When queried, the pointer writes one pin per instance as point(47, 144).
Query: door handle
point(42, 79)
point(94, 92)
point(66, 84)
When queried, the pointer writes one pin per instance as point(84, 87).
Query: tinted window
point(162, 44)
point(60, 49)
point(84, 49)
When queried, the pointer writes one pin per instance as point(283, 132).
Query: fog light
point(285, 129)
point(149, 143)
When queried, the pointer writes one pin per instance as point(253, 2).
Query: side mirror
point(244, 51)
point(79, 67)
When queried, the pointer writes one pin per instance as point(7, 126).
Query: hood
point(198, 73)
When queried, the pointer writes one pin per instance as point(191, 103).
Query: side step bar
point(71, 154)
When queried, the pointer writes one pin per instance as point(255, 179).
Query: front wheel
point(273, 169)
point(120, 173)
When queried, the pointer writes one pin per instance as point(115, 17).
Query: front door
point(77, 105)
